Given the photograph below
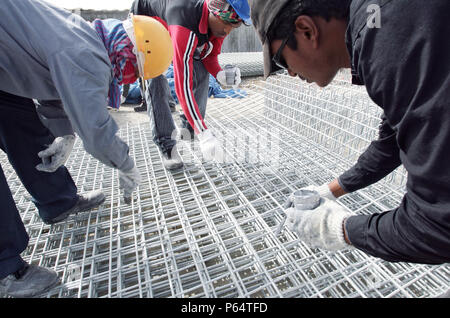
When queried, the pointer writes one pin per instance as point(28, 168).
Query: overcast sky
point(93, 4)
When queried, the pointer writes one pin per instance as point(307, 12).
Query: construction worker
point(399, 50)
point(48, 54)
point(198, 29)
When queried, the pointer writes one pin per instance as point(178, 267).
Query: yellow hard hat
point(152, 45)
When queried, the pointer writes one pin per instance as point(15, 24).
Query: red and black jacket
point(187, 22)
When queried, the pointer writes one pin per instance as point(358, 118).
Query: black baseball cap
point(263, 13)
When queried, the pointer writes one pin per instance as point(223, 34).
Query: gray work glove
point(321, 227)
point(128, 182)
point(56, 154)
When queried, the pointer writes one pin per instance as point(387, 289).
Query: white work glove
point(321, 227)
point(56, 154)
point(128, 182)
point(323, 190)
point(210, 146)
point(234, 77)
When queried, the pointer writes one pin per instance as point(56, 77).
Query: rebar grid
point(209, 230)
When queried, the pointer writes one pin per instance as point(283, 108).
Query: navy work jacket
point(403, 59)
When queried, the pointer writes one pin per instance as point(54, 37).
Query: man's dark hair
point(284, 23)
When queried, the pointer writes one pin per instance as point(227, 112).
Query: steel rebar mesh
point(209, 230)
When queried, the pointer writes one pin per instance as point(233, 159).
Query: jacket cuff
point(356, 229)
point(343, 186)
point(127, 165)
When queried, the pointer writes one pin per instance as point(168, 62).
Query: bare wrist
point(336, 189)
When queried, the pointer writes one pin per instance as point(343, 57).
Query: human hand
point(128, 182)
point(322, 227)
point(210, 146)
point(56, 154)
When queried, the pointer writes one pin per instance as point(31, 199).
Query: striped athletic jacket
point(187, 22)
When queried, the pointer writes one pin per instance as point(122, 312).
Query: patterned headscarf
point(120, 52)
point(223, 10)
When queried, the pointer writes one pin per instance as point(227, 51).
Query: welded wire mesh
point(208, 230)
point(250, 63)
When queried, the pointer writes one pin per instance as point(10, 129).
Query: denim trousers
point(22, 136)
point(158, 108)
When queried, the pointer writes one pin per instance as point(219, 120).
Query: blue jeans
point(159, 112)
point(22, 136)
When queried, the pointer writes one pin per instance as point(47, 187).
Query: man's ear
point(307, 30)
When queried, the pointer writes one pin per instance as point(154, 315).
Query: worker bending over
point(400, 51)
point(48, 54)
point(198, 29)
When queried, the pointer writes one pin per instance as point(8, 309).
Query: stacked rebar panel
point(209, 230)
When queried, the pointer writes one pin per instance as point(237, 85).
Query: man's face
point(313, 60)
point(220, 28)
point(311, 67)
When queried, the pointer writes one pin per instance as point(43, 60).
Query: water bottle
point(230, 73)
point(302, 200)
point(306, 200)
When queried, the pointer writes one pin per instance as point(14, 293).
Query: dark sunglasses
point(278, 57)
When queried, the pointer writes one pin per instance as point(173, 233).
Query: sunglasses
point(278, 57)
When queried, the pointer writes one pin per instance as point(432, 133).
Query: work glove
point(56, 154)
point(321, 227)
point(128, 182)
point(210, 146)
point(323, 190)
point(230, 76)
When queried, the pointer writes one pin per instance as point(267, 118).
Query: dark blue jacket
point(405, 65)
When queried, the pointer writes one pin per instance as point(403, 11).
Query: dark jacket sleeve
point(380, 159)
point(404, 66)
